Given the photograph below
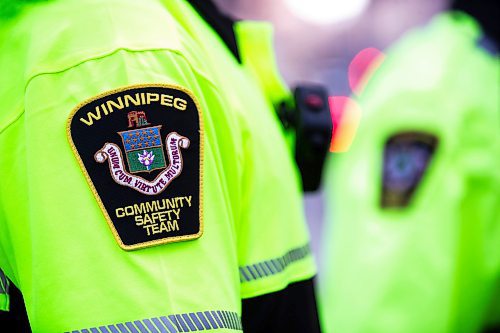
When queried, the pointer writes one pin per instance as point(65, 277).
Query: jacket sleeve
point(276, 265)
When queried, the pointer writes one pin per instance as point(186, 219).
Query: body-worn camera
point(310, 118)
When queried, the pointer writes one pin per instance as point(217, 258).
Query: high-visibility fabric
point(433, 265)
point(55, 244)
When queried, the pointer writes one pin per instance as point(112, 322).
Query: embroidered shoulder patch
point(406, 158)
point(141, 150)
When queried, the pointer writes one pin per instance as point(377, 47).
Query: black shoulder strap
point(220, 22)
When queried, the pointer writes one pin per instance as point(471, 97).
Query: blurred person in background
point(146, 181)
point(412, 243)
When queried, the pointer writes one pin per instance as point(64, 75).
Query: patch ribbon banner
point(113, 154)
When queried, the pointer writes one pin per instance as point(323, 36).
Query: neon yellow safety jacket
point(146, 183)
point(413, 230)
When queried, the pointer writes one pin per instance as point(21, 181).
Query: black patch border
point(404, 198)
point(91, 184)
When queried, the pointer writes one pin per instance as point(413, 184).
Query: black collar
point(486, 12)
point(220, 22)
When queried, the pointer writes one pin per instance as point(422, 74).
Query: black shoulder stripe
point(220, 22)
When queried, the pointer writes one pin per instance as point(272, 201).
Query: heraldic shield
point(141, 149)
point(144, 149)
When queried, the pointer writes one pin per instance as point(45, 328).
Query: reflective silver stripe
point(122, 328)
point(168, 324)
point(204, 320)
point(132, 328)
point(273, 266)
point(112, 328)
point(178, 323)
point(211, 319)
point(160, 326)
point(4, 283)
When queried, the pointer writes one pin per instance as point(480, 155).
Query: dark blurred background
point(315, 41)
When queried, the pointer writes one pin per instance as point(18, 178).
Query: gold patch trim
point(91, 184)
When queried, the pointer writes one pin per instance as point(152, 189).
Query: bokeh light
point(326, 11)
